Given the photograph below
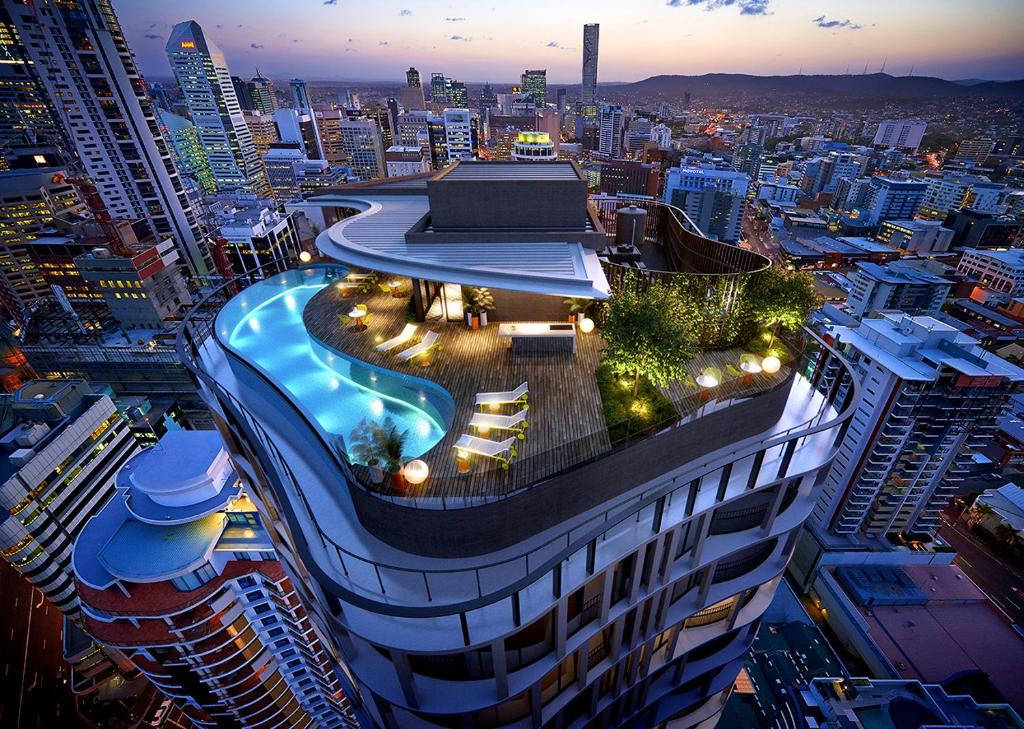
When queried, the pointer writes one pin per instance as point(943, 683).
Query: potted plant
point(380, 446)
point(577, 308)
point(469, 308)
point(483, 302)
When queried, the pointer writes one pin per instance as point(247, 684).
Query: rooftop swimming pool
point(263, 325)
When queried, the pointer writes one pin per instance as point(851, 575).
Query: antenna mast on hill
point(884, 61)
point(911, 71)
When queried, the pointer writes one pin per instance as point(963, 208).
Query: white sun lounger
point(515, 422)
point(402, 338)
point(504, 451)
point(428, 341)
point(497, 398)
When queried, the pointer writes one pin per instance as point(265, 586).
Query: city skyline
point(336, 41)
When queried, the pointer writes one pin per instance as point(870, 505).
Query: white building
point(896, 286)
point(460, 134)
point(713, 199)
point(900, 134)
point(779, 194)
point(998, 269)
point(952, 192)
point(534, 147)
point(406, 160)
point(611, 121)
point(202, 74)
point(89, 72)
point(57, 468)
point(930, 397)
point(915, 235)
point(661, 134)
point(364, 151)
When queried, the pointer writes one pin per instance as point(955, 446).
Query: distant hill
point(875, 85)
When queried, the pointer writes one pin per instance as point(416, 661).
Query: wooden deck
point(566, 422)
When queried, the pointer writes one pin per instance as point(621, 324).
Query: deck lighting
point(586, 325)
point(749, 364)
point(305, 257)
point(771, 364)
point(416, 472)
point(710, 377)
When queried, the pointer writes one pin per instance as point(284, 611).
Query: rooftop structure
point(999, 269)
point(895, 286)
point(576, 526)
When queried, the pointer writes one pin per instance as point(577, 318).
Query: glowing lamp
point(305, 257)
point(416, 472)
point(586, 325)
point(749, 364)
point(771, 364)
point(710, 377)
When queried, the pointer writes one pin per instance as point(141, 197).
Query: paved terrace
point(566, 421)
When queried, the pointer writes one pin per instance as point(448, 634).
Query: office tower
point(110, 119)
point(661, 134)
point(143, 291)
point(488, 99)
point(293, 175)
point(999, 270)
point(264, 100)
point(458, 94)
point(975, 150)
point(930, 397)
point(213, 621)
point(630, 177)
point(638, 134)
point(262, 129)
point(350, 100)
point(62, 449)
point(915, 236)
point(713, 199)
point(31, 201)
point(406, 160)
point(26, 114)
point(411, 95)
point(244, 92)
point(202, 74)
point(972, 229)
point(535, 83)
point(187, 150)
point(957, 191)
point(747, 160)
point(611, 121)
point(394, 111)
point(834, 167)
point(454, 136)
point(638, 618)
point(534, 147)
point(905, 134)
point(438, 90)
point(896, 286)
point(588, 89)
point(560, 100)
point(304, 105)
point(329, 123)
point(384, 121)
point(893, 199)
point(364, 152)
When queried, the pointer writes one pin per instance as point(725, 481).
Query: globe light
point(305, 256)
point(749, 364)
point(416, 472)
point(771, 364)
point(586, 325)
point(710, 377)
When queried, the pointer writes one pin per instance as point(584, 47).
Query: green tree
point(776, 299)
point(647, 332)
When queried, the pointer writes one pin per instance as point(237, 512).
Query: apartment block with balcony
point(564, 571)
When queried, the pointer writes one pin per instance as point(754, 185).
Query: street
point(759, 236)
point(1003, 584)
point(32, 670)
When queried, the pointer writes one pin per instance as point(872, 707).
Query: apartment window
point(558, 679)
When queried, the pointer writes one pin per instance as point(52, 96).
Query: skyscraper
point(26, 115)
point(588, 89)
point(412, 78)
point(264, 100)
point(302, 102)
point(535, 83)
point(438, 90)
point(411, 95)
point(110, 118)
point(205, 82)
point(189, 155)
point(361, 141)
point(611, 122)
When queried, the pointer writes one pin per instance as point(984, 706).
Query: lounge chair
point(428, 341)
point(516, 423)
point(405, 336)
point(520, 394)
point(502, 452)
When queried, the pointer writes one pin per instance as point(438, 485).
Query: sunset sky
point(495, 41)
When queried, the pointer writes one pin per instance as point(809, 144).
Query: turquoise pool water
point(263, 324)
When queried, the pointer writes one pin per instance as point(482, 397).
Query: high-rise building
point(364, 150)
point(535, 83)
point(999, 269)
point(179, 572)
point(534, 147)
point(661, 134)
point(84, 61)
point(244, 92)
point(458, 94)
point(30, 203)
point(189, 155)
point(264, 100)
point(439, 90)
point(896, 286)
point(202, 74)
point(411, 95)
point(611, 122)
point(26, 114)
point(893, 199)
point(588, 89)
point(304, 105)
point(630, 177)
point(713, 199)
point(957, 191)
point(930, 397)
point(60, 457)
point(454, 137)
point(263, 130)
point(903, 134)
point(638, 134)
point(638, 618)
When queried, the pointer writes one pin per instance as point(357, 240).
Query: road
point(759, 236)
point(34, 691)
point(1002, 583)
